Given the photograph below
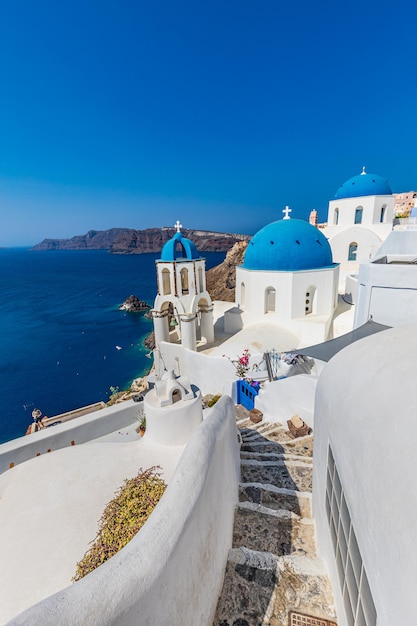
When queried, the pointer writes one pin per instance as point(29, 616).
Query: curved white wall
point(172, 571)
point(366, 409)
point(174, 424)
point(79, 430)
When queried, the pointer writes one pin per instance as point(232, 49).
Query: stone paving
point(272, 567)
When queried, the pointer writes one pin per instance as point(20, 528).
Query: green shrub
point(213, 401)
point(122, 518)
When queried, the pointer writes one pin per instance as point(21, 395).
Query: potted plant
point(142, 425)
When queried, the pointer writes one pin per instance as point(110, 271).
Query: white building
point(387, 285)
point(288, 277)
point(359, 219)
point(364, 503)
point(182, 298)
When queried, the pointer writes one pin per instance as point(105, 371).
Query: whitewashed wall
point(371, 215)
point(388, 293)
point(282, 399)
point(214, 375)
point(78, 431)
point(172, 571)
point(366, 409)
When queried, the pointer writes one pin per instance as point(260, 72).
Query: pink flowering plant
point(241, 363)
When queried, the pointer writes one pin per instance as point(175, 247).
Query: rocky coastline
point(132, 241)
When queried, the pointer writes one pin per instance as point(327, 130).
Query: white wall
point(368, 243)
point(172, 571)
point(366, 409)
point(79, 430)
point(388, 293)
point(291, 288)
point(282, 399)
point(210, 374)
point(371, 214)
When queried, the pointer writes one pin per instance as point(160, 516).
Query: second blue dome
point(364, 185)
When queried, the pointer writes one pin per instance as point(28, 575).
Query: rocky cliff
point(221, 280)
point(130, 241)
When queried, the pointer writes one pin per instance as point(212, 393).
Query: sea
point(63, 340)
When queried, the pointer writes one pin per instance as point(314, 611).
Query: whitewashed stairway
point(272, 568)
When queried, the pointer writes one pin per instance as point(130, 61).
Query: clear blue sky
point(219, 113)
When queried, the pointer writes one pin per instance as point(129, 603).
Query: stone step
point(302, 586)
point(254, 431)
point(288, 475)
point(248, 587)
point(261, 589)
point(277, 531)
point(278, 434)
point(276, 498)
point(275, 456)
point(302, 446)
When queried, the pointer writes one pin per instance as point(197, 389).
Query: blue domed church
point(183, 309)
point(360, 218)
point(288, 277)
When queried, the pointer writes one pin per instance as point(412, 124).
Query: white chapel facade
point(360, 218)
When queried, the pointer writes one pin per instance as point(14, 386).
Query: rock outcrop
point(131, 241)
point(221, 280)
point(132, 304)
point(149, 341)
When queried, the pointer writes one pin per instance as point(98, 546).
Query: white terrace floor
point(50, 507)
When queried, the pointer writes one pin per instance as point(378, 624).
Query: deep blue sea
point(60, 325)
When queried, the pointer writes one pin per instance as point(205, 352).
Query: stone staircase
point(273, 568)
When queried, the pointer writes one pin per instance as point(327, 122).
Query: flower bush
point(241, 363)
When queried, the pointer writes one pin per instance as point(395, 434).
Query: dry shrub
point(122, 518)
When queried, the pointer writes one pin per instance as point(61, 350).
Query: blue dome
point(179, 248)
point(288, 245)
point(364, 185)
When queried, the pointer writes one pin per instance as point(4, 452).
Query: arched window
point(242, 295)
point(166, 282)
point(310, 300)
point(353, 248)
point(358, 215)
point(336, 217)
point(200, 280)
point(184, 281)
point(383, 212)
point(270, 295)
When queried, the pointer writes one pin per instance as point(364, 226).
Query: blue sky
point(134, 114)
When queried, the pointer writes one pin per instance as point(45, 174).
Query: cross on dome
point(286, 212)
point(363, 170)
point(178, 226)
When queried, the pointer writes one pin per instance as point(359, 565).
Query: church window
point(358, 215)
point(270, 295)
point(184, 281)
point(166, 282)
point(310, 300)
point(383, 212)
point(336, 217)
point(353, 248)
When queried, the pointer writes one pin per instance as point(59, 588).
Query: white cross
point(286, 211)
point(178, 226)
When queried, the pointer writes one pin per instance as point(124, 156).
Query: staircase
point(272, 568)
